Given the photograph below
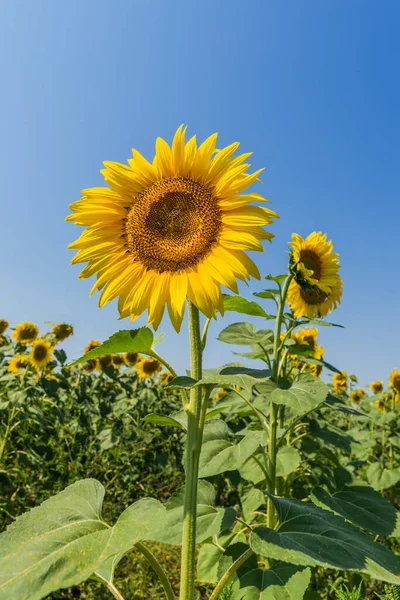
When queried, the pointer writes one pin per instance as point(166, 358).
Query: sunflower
point(173, 228)
point(223, 392)
point(17, 363)
point(394, 380)
point(41, 353)
point(380, 405)
point(376, 387)
point(317, 286)
point(26, 332)
point(147, 367)
point(62, 331)
point(166, 377)
point(319, 354)
point(91, 346)
point(3, 326)
point(117, 360)
point(340, 382)
point(131, 358)
point(308, 336)
point(90, 365)
point(357, 395)
point(105, 360)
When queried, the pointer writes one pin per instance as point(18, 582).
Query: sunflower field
point(119, 477)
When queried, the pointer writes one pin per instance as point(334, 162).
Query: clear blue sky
point(311, 87)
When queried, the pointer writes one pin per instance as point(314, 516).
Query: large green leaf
point(287, 461)
point(126, 340)
point(163, 421)
point(232, 553)
point(319, 322)
point(362, 506)
point(281, 582)
point(218, 456)
point(245, 334)
point(382, 478)
point(306, 393)
point(64, 541)
point(246, 307)
point(233, 375)
point(252, 469)
point(310, 536)
point(251, 500)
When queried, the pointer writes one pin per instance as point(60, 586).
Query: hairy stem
point(230, 572)
point(158, 569)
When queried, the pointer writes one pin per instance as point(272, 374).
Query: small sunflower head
point(357, 395)
point(26, 332)
point(90, 365)
point(62, 331)
point(118, 360)
point(166, 377)
point(376, 387)
point(316, 288)
point(340, 382)
point(105, 360)
point(319, 354)
point(17, 363)
point(394, 380)
point(221, 394)
point(308, 336)
point(131, 358)
point(3, 326)
point(91, 346)
point(41, 353)
point(147, 367)
point(380, 405)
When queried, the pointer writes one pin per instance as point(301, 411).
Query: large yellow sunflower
point(376, 386)
point(62, 331)
point(3, 326)
point(147, 367)
point(41, 353)
point(394, 380)
point(26, 332)
point(308, 336)
point(171, 229)
point(16, 363)
point(317, 286)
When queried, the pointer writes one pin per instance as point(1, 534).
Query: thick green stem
point(193, 448)
point(158, 569)
point(230, 572)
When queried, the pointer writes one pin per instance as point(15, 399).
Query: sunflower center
point(313, 295)
point(173, 224)
point(40, 352)
point(312, 262)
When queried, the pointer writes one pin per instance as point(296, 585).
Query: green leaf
point(251, 501)
point(163, 421)
point(182, 382)
point(126, 340)
point(310, 536)
point(278, 278)
point(251, 469)
point(64, 541)
point(334, 438)
point(287, 461)
point(340, 405)
point(207, 563)
point(319, 322)
point(280, 582)
point(218, 456)
point(206, 494)
point(232, 553)
point(267, 294)
point(381, 478)
point(309, 360)
point(245, 334)
point(246, 307)
point(362, 506)
point(230, 376)
point(306, 393)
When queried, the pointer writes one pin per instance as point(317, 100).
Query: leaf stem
point(193, 448)
point(231, 571)
point(162, 360)
point(158, 569)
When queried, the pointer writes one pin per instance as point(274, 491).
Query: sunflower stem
point(158, 569)
point(272, 445)
point(193, 448)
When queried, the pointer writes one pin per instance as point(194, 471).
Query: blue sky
point(310, 87)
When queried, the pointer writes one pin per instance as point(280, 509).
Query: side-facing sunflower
point(62, 331)
point(118, 360)
point(394, 380)
point(90, 365)
point(316, 288)
point(147, 367)
point(357, 395)
point(17, 363)
point(41, 353)
point(131, 358)
point(166, 377)
point(376, 387)
point(171, 229)
point(105, 360)
point(308, 336)
point(340, 382)
point(380, 405)
point(3, 326)
point(26, 332)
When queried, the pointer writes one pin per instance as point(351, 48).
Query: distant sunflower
point(308, 336)
point(319, 354)
point(90, 365)
point(26, 332)
point(340, 382)
point(166, 377)
point(376, 387)
point(131, 358)
point(394, 380)
point(41, 353)
point(3, 326)
point(357, 395)
point(16, 363)
point(171, 229)
point(317, 286)
point(380, 405)
point(62, 331)
point(118, 360)
point(91, 346)
point(147, 367)
point(105, 360)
